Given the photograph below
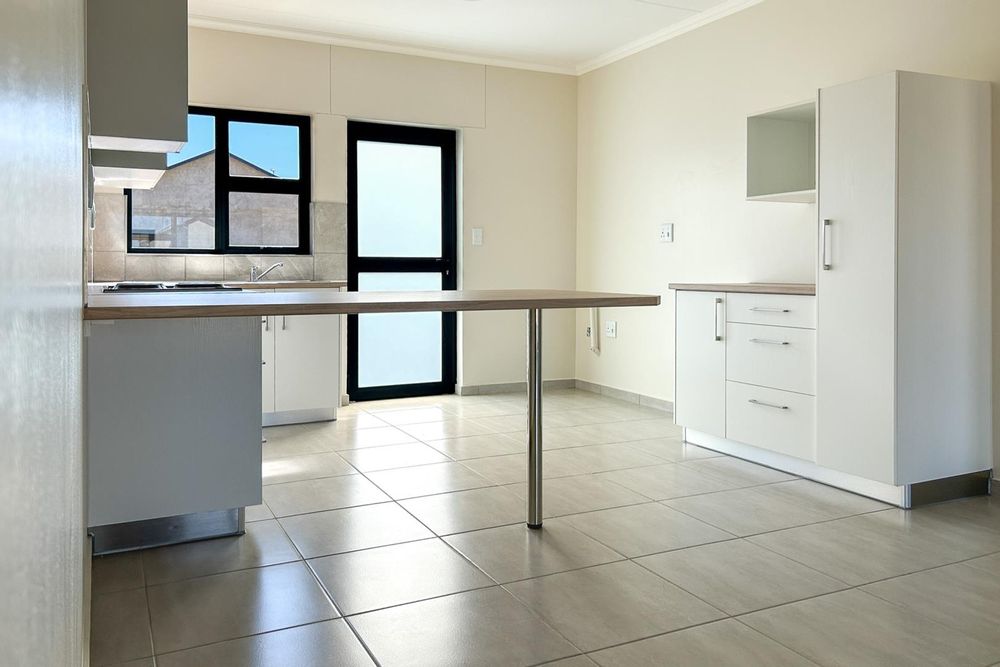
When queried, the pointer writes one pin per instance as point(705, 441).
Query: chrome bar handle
point(768, 341)
point(718, 334)
point(768, 405)
point(827, 262)
point(266, 321)
point(761, 309)
point(283, 322)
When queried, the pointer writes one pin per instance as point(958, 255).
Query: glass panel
point(180, 211)
point(263, 219)
point(399, 200)
point(263, 150)
point(399, 348)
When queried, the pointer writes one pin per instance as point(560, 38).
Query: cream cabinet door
point(700, 380)
point(267, 363)
point(306, 362)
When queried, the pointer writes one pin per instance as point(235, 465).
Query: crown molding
point(677, 29)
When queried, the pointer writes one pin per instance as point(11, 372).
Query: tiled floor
point(395, 536)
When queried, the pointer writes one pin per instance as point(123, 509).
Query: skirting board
point(509, 387)
point(629, 396)
point(298, 416)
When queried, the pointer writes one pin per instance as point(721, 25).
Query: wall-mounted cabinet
point(781, 155)
point(137, 74)
point(127, 169)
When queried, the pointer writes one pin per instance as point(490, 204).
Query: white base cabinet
point(700, 384)
point(300, 368)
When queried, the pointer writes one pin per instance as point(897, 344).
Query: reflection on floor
point(395, 536)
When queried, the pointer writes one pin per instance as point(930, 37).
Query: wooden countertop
point(289, 284)
point(807, 289)
point(249, 304)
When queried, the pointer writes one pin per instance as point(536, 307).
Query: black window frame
point(225, 184)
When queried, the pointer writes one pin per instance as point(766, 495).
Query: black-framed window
point(254, 199)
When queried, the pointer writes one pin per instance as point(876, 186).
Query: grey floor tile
point(509, 553)
point(610, 604)
point(452, 428)
point(368, 437)
point(468, 510)
point(513, 468)
point(119, 629)
point(308, 466)
point(673, 449)
point(586, 493)
point(575, 661)
point(370, 459)
point(427, 480)
point(669, 480)
point(739, 577)
point(825, 501)
point(483, 627)
point(988, 563)
point(285, 441)
point(317, 495)
point(983, 511)
point(352, 528)
point(479, 446)
point(866, 548)
point(415, 415)
point(855, 628)
point(118, 572)
point(738, 471)
point(258, 513)
point(725, 643)
point(748, 511)
point(512, 424)
point(325, 644)
point(639, 530)
point(601, 458)
point(962, 597)
point(264, 543)
point(235, 604)
point(141, 662)
point(366, 580)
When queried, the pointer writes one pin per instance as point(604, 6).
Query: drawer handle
point(768, 405)
point(762, 309)
point(768, 341)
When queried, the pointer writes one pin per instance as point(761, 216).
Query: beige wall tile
point(329, 227)
point(109, 222)
point(204, 267)
point(331, 266)
point(329, 142)
point(154, 267)
point(109, 266)
point(297, 267)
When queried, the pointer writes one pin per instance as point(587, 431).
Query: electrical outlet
point(589, 332)
point(477, 236)
point(611, 329)
point(667, 232)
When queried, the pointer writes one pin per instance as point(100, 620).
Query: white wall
point(662, 139)
point(519, 137)
point(41, 295)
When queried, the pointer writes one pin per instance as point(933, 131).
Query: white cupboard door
point(306, 360)
point(267, 363)
point(855, 284)
point(700, 384)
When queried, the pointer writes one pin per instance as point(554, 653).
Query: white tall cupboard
point(300, 368)
point(903, 284)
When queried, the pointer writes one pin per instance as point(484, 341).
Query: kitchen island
point(207, 313)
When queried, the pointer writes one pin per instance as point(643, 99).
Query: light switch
point(477, 236)
point(667, 232)
point(611, 329)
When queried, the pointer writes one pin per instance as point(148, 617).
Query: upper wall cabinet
point(137, 74)
point(781, 155)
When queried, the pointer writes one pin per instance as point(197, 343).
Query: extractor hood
point(127, 169)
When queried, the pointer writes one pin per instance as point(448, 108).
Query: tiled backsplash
point(112, 262)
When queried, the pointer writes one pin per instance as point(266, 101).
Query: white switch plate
point(667, 232)
point(611, 329)
point(477, 236)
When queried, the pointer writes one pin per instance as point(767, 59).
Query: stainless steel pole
point(534, 418)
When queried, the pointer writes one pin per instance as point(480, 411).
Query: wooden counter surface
point(289, 284)
point(807, 289)
point(249, 304)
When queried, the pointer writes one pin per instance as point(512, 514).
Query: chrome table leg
point(534, 418)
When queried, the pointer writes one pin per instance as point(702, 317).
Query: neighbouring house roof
point(264, 172)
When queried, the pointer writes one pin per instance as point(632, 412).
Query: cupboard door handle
point(266, 321)
point(768, 341)
point(718, 334)
point(761, 309)
point(827, 231)
point(768, 405)
point(283, 319)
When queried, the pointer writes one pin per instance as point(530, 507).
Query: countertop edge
point(800, 289)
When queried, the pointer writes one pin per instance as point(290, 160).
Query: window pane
point(399, 200)
point(263, 150)
point(399, 348)
point(262, 219)
point(180, 211)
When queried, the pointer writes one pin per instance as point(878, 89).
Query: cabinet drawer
point(775, 309)
point(780, 421)
point(777, 357)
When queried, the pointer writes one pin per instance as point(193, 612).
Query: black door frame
point(446, 265)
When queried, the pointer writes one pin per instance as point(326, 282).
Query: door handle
point(718, 334)
point(769, 341)
point(266, 321)
point(827, 238)
point(762, 309)
point(768, 405)
point(283, 322)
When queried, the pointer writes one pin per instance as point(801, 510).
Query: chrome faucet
point(256, 274)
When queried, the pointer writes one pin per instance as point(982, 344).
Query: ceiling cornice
point(687, 25)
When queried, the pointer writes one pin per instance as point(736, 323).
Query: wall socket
point(611, 329)
point(666, 232)
point(477, 236)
